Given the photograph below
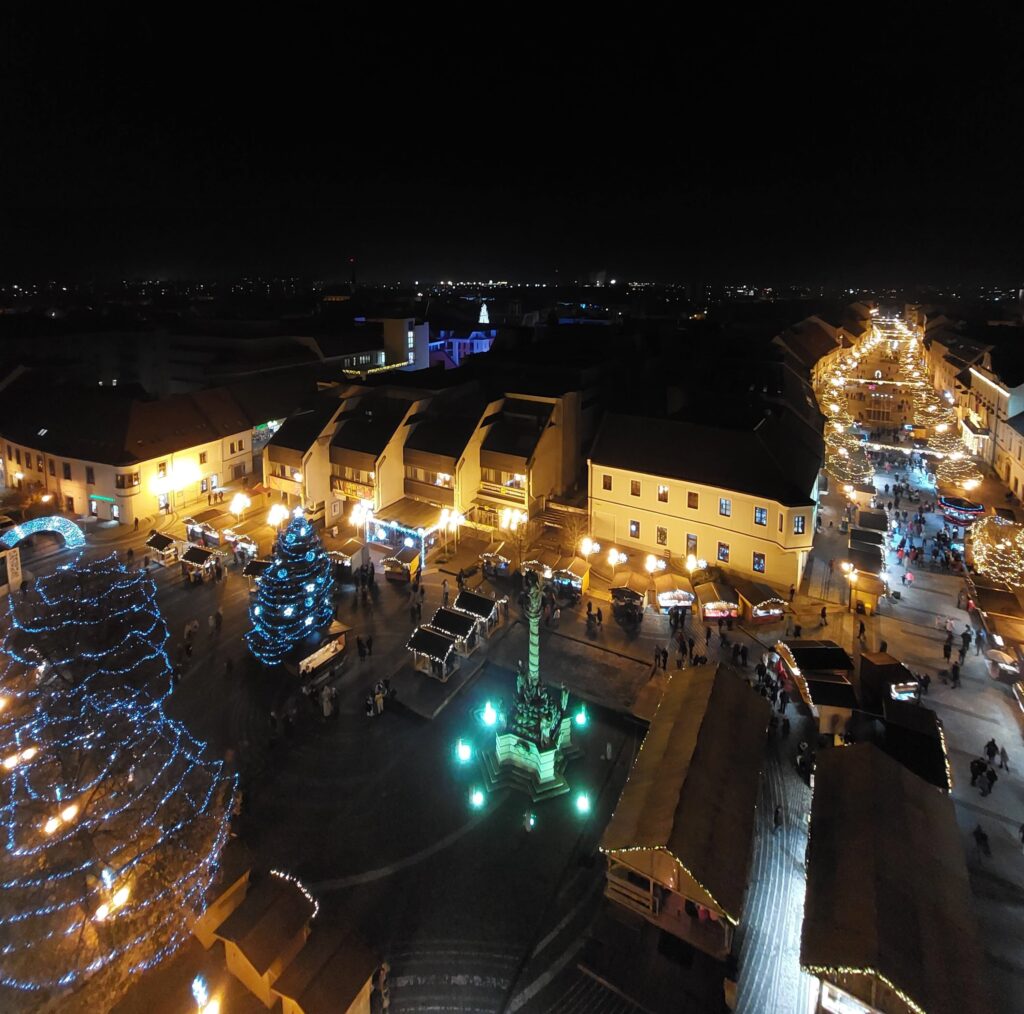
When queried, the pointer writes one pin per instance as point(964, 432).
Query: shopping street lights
point(615, 557)
point(588, 546)
point(239, 503)
point(277, 514)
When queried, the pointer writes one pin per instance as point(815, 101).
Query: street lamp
point(615, 557)
point(278, 513)
point(588, 546)
point(653, 563)
point(239, 502)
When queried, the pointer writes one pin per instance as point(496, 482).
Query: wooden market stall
point(349, 557)
point(486, 612)
point(571, 576)
point(717, 600)
point(759, 603)
point(318, 662)
point(544, 563)
point(635, 584)
point(821, 672)
point(673, 591)
point(253, 571)
point(889, 915)
point(679, 842)
point(165, 549)
point(404, 565)
point(197, 564)
point(433, 653)
point(457, 625)
point(332, 974)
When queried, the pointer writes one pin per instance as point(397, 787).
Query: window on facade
point(759, 563)
point(634, 529)
point(53, 467)
point(634, 487)
point(760, 515)
point(204, 485)
point(17, 455)
point(202, 457)
point(10, 451)
point(606, 482)
point(126, 480)
point(723, 552)
point(232, 451)
point(799, 524)
point(725, 507)
point(663, 494)
point(691, 545)
point(28, 458)
point(241, 445)
point(693, 501)
point(90, 475)
point(161, 470)
point(662, 536)
point(39, 462)
point(780, 521)
point(66, 470)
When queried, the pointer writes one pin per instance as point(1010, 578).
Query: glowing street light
point(476, 799)
point(615, 557)
point(490, 715)
point(278, 513)
point(581, 716)
point(589, 546)
point(653, 563)
point(583, 803)
point(463, 752)
point(239, 503)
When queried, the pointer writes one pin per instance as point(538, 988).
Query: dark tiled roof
point(370, 426)
point(452, 622)
point(431, 642)
point(779, 459)
point(477, 605)
point(518, 428)
point(444, 434)
point(299, 432)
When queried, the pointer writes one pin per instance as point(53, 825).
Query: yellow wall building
point(743, 499)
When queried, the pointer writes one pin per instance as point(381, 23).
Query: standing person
point(657, 657)
point(600, 618)
point(954, 675)
point(991, 749)
point(1004, 759)
point(361, 648)
point(990, 781)
point(680, 655)
point(689, 649)
point(965, 638)
point(378, 699)
point(783, 701)
point(861, 631)
point(444, 592)
point(135, 525)
point(824, 616)
point(211, 623)
point(947, 650)
point(664, 658)
point(369, 645)
point(792, 592)
point(979, 640)
point(707, 635)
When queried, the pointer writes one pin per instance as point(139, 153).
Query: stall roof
point(887, 885)
point(666, 582)
point(876, 521)
point(574, 565)
point(547, 558)
point(865, 558)
point(832, 693)
point(431, 642)
point(476, 605)
point(159, 541)
point(350, 548)
point(197, 555)
point(255, 568)
point(714, 591)
point(268, 919)
point(755, 592)
point(867, 537)
point(819, 656)
point(913, 736)
point(452, 622)
point(997, 602)
point(693, 789)
point(406, 554)
point(329, 973)
point(208, 515)
point(631, 581)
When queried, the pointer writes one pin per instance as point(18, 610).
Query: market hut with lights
point(433, 653)
point(486, 612)
point(679, 842)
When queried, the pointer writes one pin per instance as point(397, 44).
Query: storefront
point(433, 653)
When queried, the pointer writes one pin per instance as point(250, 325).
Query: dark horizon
point(799, 153)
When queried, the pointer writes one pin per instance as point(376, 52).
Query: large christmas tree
point(295, 593)
point(112, 819)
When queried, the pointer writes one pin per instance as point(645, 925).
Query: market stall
point(348, 558)
point(433, 653)
point(631, 586)
point(457, 625)
point(199, 529)
point(494, 564)
point(543, 564)
point(404, 565)
point(486, 613)
point(244, 547)
point(165, 549)
point(197, 564)
point(571, 576)
point(717, 600)
point(317, 666)
point(759, 603)
point(673, 591)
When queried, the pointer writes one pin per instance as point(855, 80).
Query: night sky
point(745, 150)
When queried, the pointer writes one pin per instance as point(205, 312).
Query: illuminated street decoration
point(67, 530)
point(111, 817)
point(999, 550)
point(294, 595)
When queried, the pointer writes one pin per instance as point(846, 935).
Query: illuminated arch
point(70, 532)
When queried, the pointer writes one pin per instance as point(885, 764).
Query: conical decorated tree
point(295, 593)
point(112, 819)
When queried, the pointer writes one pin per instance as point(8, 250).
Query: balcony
point(353, 490)
point(443, 495)
point(284, 484)
point(129, 491)
point(505, 494)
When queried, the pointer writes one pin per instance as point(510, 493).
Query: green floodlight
point(581, 716)
point(463, 752)
point(583, 803)
point(476, 799)
point(490, 715)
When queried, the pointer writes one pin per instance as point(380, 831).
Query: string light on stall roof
point(301, 886)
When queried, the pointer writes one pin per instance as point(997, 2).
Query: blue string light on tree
point(295, 593)
point(111, 820)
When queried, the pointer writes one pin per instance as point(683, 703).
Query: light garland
point(112, 820)
point(998, 548)
point(289, 878)
point(294, 597)
point(67, 530)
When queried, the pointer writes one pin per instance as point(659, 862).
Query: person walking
point(947, 650)
point(777, 818)
point(861, 631)
point(680, 655)
point(965, 638)
point(361, 648)
point(977, 769)
point(824, 616)
point(707, 635)
point(954, 676)
point(369, 645)
point(211, 624)
point(218, 619)
point(979, 640)
point(600, 618)
point(664, 659)
point(1004, 759)
point(135, 525)
point(792, 592)
point(657, 657)
point(783, 701)
point(991, 749)
point(444, 592)
point(990, 781)
point(689, 649)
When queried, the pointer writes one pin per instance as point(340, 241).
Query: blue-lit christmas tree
point(294, 599)
point(112, 820)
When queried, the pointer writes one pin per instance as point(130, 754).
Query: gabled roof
point(887, 887)
point(329, 972)
point(476, 605)
point(693, 789)
point(452, 622)
point(369, 426)
point(300, 431)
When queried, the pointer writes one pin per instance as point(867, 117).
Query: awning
point(159, 542)
point(411, 513)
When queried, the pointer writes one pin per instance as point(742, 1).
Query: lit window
point(759, 563)
point(725, 507)
point(799, 524)
point(760, 515)
point(202, 457)
point(634, 529)
point(606, 482)
point(663, 494)
point(662, 536)
point(723, 552)
point(634, 487)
